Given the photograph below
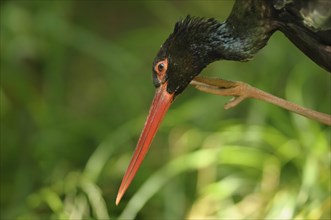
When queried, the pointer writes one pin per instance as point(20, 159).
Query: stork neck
point(240, 42)
point(247, 29)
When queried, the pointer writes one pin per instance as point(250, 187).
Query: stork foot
point(240, 91)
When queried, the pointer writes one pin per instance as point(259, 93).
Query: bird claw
point(223, 88)
point(234, 101)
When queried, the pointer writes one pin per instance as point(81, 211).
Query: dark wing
point(307, 23)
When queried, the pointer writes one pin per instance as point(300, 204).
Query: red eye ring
point(161, 67)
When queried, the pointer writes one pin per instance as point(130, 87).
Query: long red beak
point(160, 105)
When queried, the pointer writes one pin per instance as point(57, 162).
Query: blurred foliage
point(75, 90)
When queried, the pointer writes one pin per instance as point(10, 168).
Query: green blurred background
point(76, 88)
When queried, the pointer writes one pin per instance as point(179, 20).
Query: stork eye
point(160, 67)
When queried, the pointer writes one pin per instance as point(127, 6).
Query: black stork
point(197, 42)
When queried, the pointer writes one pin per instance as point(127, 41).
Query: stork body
point(196, 42)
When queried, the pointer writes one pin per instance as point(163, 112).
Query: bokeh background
point(76, 88)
